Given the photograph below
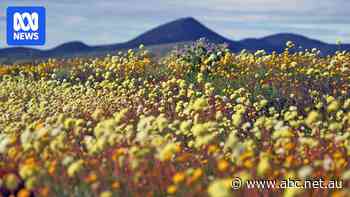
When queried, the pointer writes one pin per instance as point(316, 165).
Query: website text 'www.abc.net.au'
point(320, 183)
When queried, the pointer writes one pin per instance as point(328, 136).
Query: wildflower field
point(187, 125)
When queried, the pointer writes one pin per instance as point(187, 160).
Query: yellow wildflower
point(11, 181)
point(333, 106)
point(220, 188)
point(74, 168)
point(312, 117)
point(172, 189)
point(106, 194)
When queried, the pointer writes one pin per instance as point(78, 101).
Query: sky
point(97, 22)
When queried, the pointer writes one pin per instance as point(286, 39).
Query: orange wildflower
point(178, 177)
point(222, 165)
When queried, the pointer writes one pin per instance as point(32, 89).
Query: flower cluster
point(129, 125)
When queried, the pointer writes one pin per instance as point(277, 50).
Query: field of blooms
point(128, 125)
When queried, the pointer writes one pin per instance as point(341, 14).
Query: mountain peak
point(72, 45)
point(188, 20)
point(181, 30)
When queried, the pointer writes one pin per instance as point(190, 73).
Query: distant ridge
point(183, 30)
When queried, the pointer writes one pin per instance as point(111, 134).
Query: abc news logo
point(26, 26)
point(32, 25)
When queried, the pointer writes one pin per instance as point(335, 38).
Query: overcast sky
point(112, 21)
